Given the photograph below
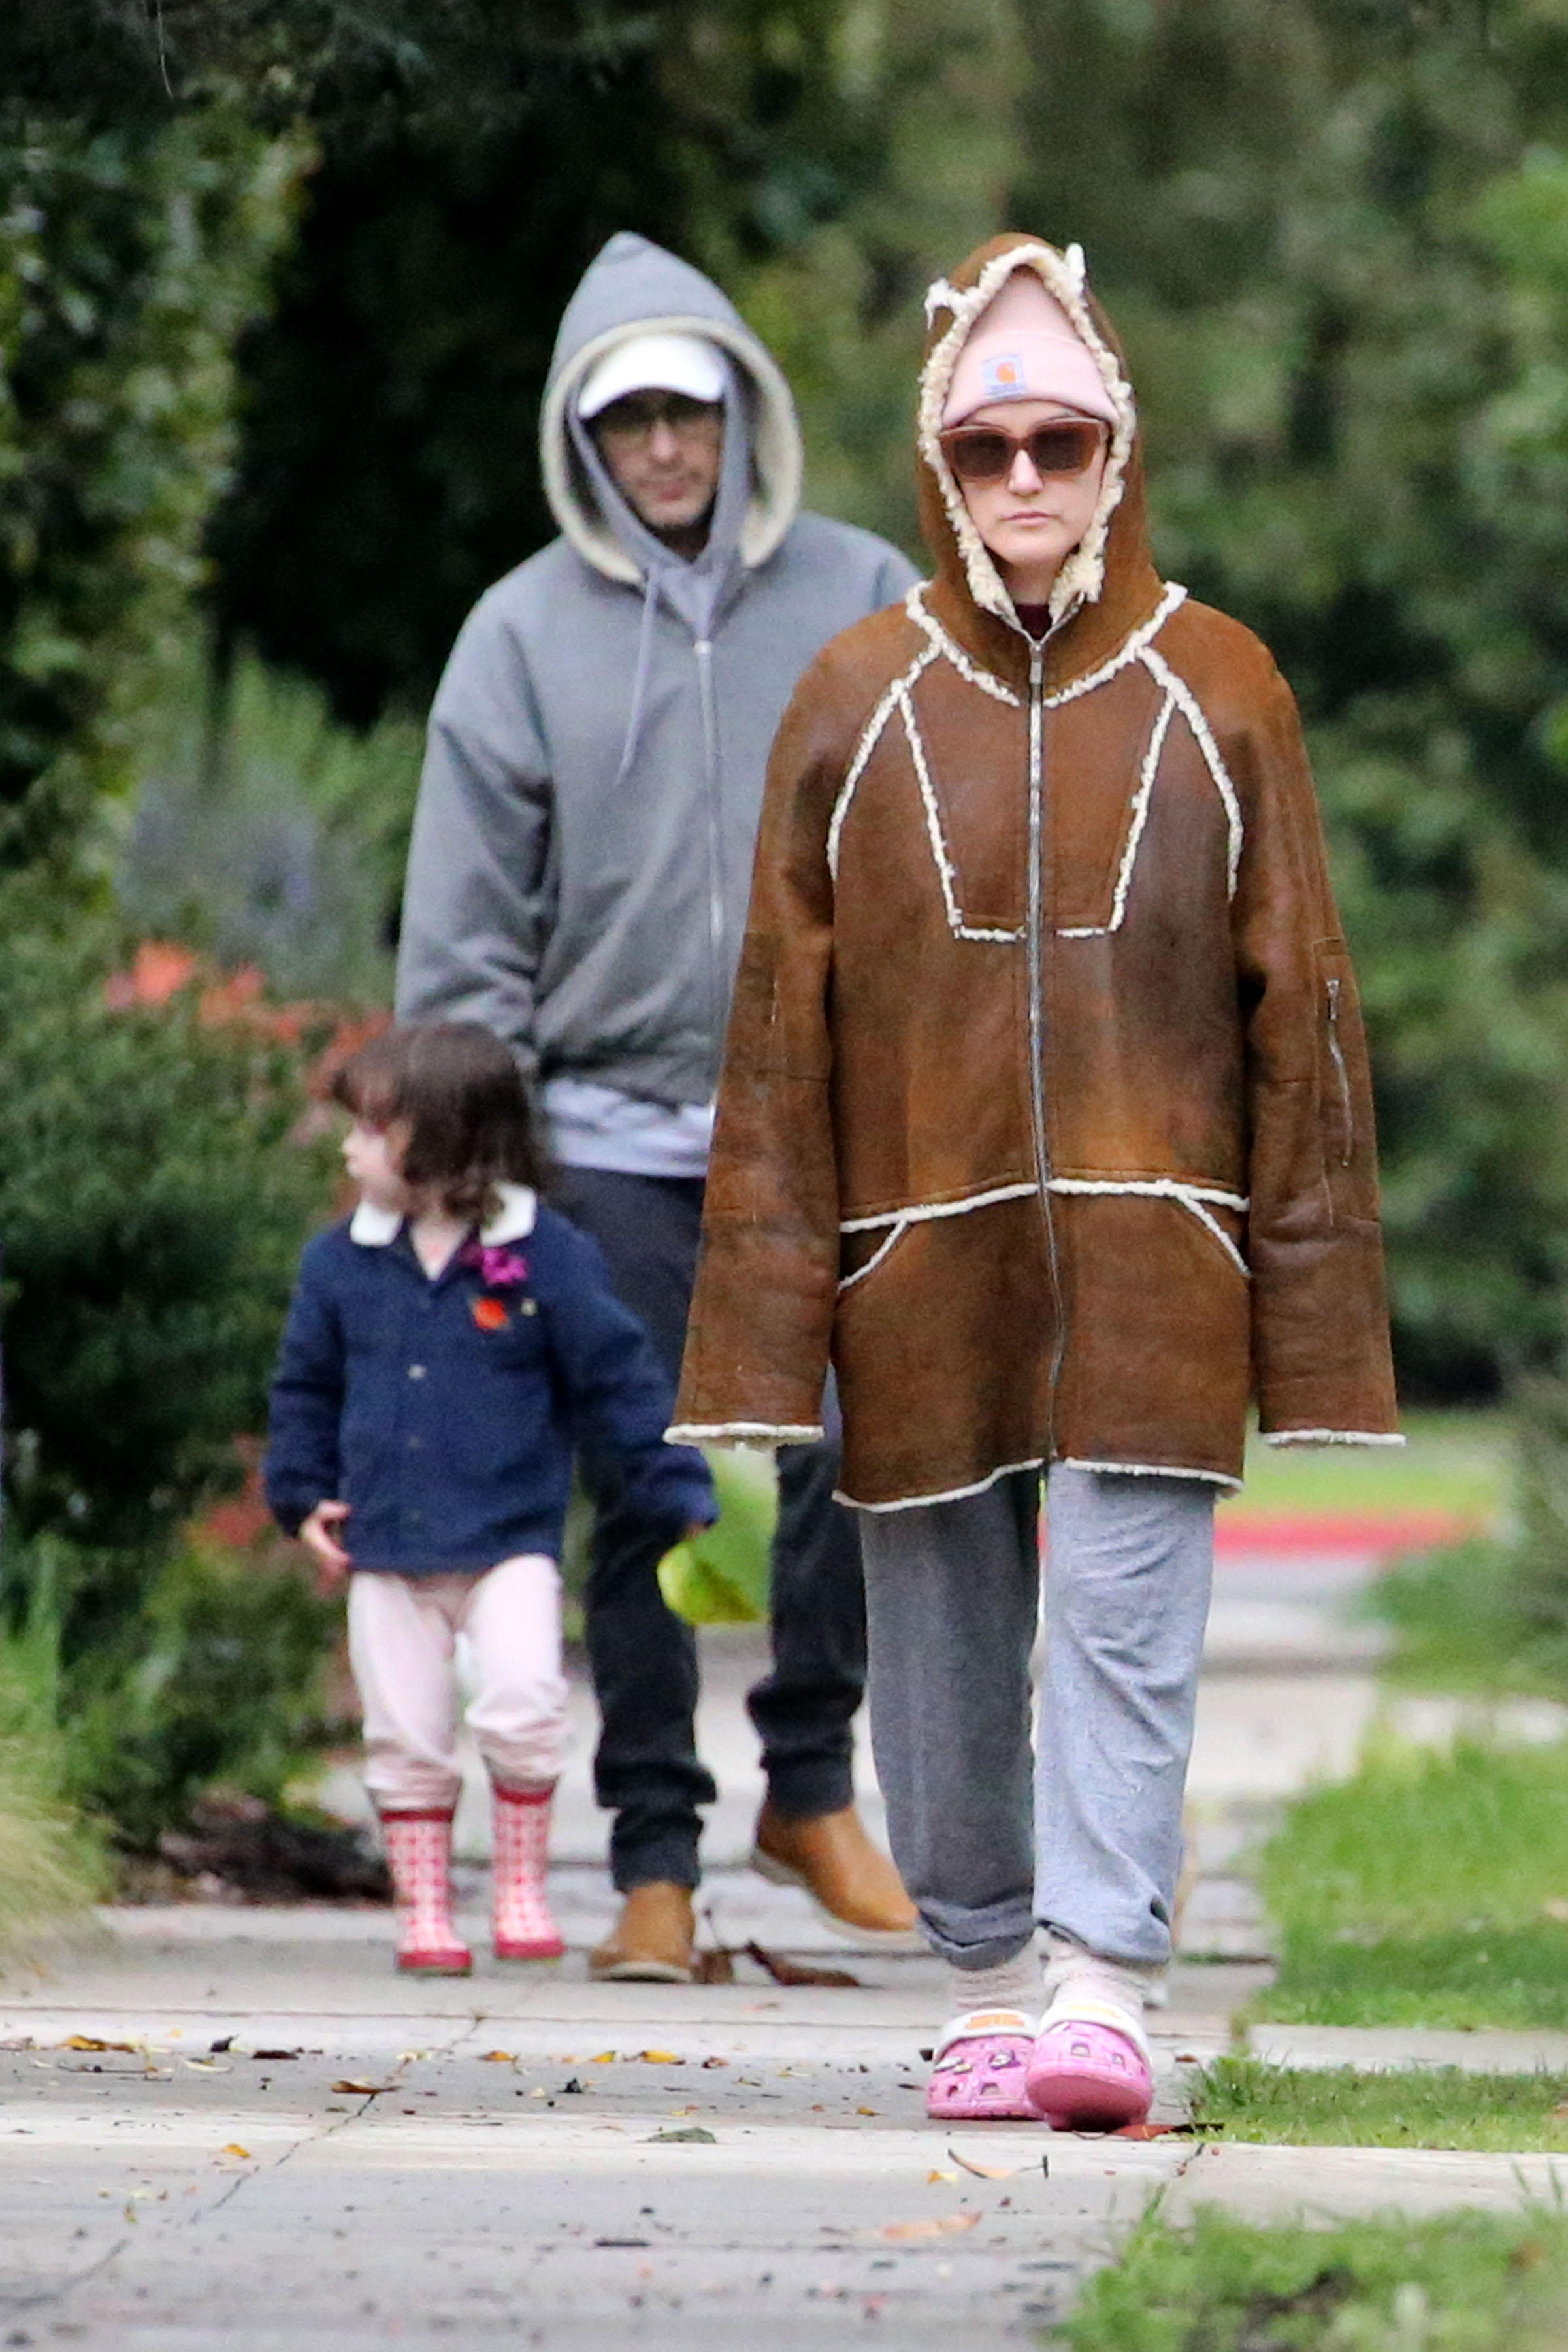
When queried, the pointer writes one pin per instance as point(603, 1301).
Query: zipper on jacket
point(704, 651)
point(1336, 1052)
point(1038, 1004)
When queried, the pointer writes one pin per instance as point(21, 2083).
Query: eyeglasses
point(985, 453)
point(634, 417)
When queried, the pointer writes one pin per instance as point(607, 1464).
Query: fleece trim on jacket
point(583, 843)
point(450, 1433)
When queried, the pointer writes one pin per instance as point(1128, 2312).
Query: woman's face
point(1031, 521)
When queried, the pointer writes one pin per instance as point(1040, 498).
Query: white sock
point(1084, 1984)
point(1011, 1984)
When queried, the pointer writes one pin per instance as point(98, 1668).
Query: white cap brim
point(688, 363)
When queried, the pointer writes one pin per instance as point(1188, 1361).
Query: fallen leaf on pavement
point(984, 2172)
point(234, 2148)
point(661, 2058)
point(1151, 2131)
point(497, 2057)
point(605, 2058)
point(690, 2131)
point(953, 2177)
point(91, 2042)
point(206, 2065)
point(274, 2057)
point(708, 2062)
point(367, 2090)
point(868, 2111)
point(944, 2225)
point(793, 1972)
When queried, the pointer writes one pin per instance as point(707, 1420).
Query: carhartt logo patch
point(1004, 377)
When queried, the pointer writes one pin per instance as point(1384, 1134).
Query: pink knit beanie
point(1024, 346)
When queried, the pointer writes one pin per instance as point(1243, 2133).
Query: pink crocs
point(978, 2075)
point(1087, 2076)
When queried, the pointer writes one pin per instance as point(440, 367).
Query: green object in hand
point(720, 1577)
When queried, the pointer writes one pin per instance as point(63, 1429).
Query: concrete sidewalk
point(239, 2128)
point(243, 2128)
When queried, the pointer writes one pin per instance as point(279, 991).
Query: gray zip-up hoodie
point(582, 851)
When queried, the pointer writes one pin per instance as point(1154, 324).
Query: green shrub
point(130, 261)
point(154, 1194)
point(52, 1862)
point(158, 1177)
point(211, 1681)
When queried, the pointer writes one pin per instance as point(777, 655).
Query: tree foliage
point(129, 259)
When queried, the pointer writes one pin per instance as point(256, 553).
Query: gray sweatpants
point(952, 1601)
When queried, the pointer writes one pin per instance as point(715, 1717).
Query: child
point(1046, 1112)
point(445, 1350)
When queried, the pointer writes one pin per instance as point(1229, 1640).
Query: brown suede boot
point(852, 1881)
point(651, 1941)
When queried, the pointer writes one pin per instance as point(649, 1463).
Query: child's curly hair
point(471, 1126)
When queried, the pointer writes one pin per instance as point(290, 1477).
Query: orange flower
point(489, 1314)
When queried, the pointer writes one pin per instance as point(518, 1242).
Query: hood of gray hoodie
point(629, 288)
point(581, 850)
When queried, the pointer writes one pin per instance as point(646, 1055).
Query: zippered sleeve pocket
point(1344, 1085)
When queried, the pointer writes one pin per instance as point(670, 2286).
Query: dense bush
point(158, 1177)
point(51, 1862)
point(154, 1191)
point(205, 1671)
point(131, 256)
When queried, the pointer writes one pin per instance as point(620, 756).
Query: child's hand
point(319, 1533)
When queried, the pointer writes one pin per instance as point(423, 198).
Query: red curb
point(1379, 1534)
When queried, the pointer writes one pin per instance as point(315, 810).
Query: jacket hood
point(1108, 586)
point(631, 287)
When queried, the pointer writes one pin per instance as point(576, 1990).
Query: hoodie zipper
point(1036, 947)
point(1336, 1052)
point(704, 651)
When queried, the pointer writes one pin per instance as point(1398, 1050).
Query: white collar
point(373, 1228)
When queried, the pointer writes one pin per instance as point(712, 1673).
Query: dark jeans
point(643, 1659)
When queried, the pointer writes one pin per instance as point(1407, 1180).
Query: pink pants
point(403, 1633)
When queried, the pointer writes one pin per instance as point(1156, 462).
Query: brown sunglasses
point(985, 453)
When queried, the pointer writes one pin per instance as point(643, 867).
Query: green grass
point(1464, 2281)
point(1429, 2106)
point(1514, 1978)
point(1459, 1461)
point(1423, 1891)
point(1458, 1625)
point(51, 1863)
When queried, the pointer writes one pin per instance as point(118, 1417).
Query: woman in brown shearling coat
point(1045, 1116)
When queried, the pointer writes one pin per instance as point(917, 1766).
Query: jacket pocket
point(861, 1255)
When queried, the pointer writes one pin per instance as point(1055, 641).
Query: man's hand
point(319, 1535)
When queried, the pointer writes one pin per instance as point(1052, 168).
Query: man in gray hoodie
point(578, 881)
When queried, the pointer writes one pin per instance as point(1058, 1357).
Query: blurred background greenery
point(279, 280)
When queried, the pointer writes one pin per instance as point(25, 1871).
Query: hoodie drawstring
point(640, 676)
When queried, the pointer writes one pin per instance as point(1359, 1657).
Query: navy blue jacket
point(450, 1435)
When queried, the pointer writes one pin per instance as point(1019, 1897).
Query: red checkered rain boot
point(419, 1855)
point(524, 1929)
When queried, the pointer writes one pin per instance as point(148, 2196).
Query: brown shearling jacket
point(1045, 1113)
